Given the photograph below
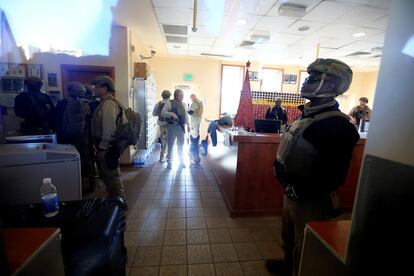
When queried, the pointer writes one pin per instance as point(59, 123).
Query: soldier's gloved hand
point(290, 192)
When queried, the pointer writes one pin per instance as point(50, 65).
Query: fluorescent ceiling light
point(241, 22)
point(358, 34)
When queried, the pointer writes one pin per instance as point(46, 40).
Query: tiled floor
point(178, 224)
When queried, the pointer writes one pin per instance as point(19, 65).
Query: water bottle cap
point(47, 180)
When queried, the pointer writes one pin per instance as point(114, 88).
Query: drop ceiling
point(331, 24)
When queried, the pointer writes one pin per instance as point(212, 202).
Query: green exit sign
point(188, 77)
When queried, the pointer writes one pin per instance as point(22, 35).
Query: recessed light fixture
point(241, 22)
point(359, 34)
point(303, 28)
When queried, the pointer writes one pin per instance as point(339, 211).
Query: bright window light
point(231, 86)
point(75, 27)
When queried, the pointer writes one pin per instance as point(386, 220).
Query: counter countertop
point(253, 137)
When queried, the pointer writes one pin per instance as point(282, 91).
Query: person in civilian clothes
point(313, 158)
point(195, 112)
point(277, 112)
point(175, 113)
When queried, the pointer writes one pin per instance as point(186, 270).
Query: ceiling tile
point(257, 7)
point(313, 27)
point(336, 43)
point(379, 37)
point(201, 41)
point(194, 53)
point(176, 46)
point(186, 4)
point(230, 21)
point(199, 48)
point(211, 18)
point(380, 3)
point(220, 6)
point(309, 4)
point(222, 50)
point(360, 16)
point(380, 23)
point(174, 16)
point(328, 11)
point(285, 38)
point(205, 32)
point(274, 23)
point(336, 31)
point(178, 52)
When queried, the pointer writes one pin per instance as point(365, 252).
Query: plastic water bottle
point(49, 197)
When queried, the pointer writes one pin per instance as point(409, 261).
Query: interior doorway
point(83, 73)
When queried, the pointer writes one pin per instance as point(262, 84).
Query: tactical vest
point(295, 153)
point(179, 111)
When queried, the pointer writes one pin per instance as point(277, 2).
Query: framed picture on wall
point(52, 79)
point(286, 78)
point(293, 79)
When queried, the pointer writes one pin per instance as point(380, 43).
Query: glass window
point(302, 77)
point(231, 86)
point(271, 80)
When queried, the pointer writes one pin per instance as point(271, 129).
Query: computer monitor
point(268, 126)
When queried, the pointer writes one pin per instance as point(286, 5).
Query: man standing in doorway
point(313, 158)
point(175, 113)
point(162, 123)
point(104, 121)
point(196, 112)
point(360, 112)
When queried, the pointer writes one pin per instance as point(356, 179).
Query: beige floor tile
point(228, 269)
point(138, 213)
point(201, 270)
point(240, 235)
point(163, 203)
point(223, 253)
point(196, 223)
point(194, 212)
point(132, 238)
point(179, 195)
point(139, 204)
point(173, 270)
point(147, 255)
point(261, 234)
point(270, 249)
point(176, 223)
point(155, 224)
point(192, 195)
point(176, 212)
point(144, 271)
point(194, 203)
point(219, 235)
point(247, 251)
point(176, 254)
point(198, 254)
point(146, 195)
point(131, 255)
point(177, 203)
point(175, 237)
point(135, 225)
point(234, 223)
point(254, 268)
point(151, 238)
point(213, 222)
point(197, 236)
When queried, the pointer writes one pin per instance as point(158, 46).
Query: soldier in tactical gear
point(360, 112)
point(162, 124)
point(36, 108)
point(313, 158)
point(175, 113)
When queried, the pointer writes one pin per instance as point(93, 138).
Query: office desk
point(245, 176)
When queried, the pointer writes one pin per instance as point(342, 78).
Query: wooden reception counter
point(244, 173)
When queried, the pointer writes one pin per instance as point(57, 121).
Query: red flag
point(244, 117)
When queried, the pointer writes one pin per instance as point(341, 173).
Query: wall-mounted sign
point(188, 77)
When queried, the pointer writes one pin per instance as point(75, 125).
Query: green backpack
point(127, 133)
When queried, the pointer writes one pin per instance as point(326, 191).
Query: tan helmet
point(166, 94)
point(333, 68)
point(76, 89)
point(105, 81)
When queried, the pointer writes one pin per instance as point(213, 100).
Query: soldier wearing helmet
point(104, 121)
point(162, 124)
point(36, 108)
point(360, 112)
point(313, 158)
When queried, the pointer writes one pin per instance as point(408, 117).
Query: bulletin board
point(12, 77)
